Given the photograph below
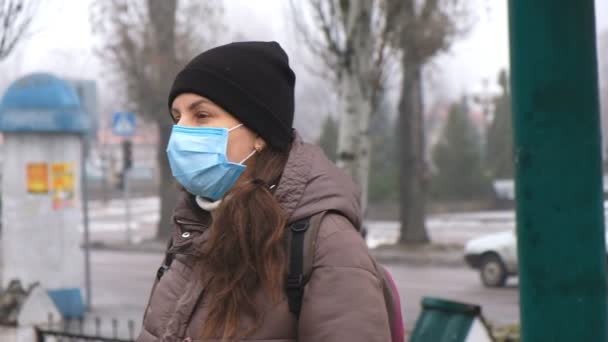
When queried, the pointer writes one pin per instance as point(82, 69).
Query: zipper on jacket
point(186, 222)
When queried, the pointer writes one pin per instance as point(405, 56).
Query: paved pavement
point(122, 274)
point(122, 281)
point(499, 306)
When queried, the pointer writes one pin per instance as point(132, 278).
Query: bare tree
point(15, 18)
point(422, 29)
point(144, 43)
point(355, 40)
point(350, 38)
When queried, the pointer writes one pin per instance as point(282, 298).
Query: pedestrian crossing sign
point(123, 124)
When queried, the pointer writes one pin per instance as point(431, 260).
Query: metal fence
point(81, 330)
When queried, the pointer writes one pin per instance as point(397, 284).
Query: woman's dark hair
point(246, 250)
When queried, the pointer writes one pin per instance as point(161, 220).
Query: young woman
point(245, 176)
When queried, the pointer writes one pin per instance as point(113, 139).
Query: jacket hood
point(311, 183)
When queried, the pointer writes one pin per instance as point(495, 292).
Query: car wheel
point(492, 271)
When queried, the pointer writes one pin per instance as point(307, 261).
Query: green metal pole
point(560, 222)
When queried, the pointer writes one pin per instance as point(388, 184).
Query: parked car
point(495, 256)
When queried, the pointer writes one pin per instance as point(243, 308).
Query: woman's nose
point(186, 122)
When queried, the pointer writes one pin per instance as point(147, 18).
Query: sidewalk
point(438, 255)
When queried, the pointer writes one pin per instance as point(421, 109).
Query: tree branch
point(15, 18)
point(326, 22)
point(319, 49)
point(428, 9)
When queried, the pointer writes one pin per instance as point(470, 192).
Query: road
point(122, 281)
point(499, 306)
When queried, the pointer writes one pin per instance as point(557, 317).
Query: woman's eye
point(202, 115)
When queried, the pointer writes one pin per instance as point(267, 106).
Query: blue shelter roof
point(42, 102)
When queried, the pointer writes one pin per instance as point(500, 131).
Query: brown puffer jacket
point(343, 299)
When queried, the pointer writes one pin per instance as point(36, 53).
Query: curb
point(390, 256)
point(420, 260)
point(436, 255)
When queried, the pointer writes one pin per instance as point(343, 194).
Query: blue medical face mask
point(197, 156)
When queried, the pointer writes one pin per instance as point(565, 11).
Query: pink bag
point(394, 314)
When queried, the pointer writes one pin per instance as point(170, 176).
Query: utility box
point(43, 125)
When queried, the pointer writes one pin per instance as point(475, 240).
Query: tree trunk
point(413, 179)
point(364, 155)
point(354, 146)
point(365, 150)
point(348, 131)
point(168, 188)
point(162, 18)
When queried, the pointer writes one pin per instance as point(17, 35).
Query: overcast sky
point(481, 54)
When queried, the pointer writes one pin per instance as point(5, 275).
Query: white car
point(495, 256)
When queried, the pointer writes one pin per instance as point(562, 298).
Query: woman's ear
point(259, 144)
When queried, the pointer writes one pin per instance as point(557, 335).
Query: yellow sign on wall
point(62, 183)
point(37, 178)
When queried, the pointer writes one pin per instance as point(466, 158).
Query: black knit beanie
point(250, 80)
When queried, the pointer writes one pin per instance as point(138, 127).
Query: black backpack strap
point(301, 258)
point(295, 275)
point(167, 262)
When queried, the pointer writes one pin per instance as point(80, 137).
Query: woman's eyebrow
point(192, 106)
point(195, 104)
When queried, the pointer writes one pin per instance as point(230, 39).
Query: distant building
point(87, 92)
